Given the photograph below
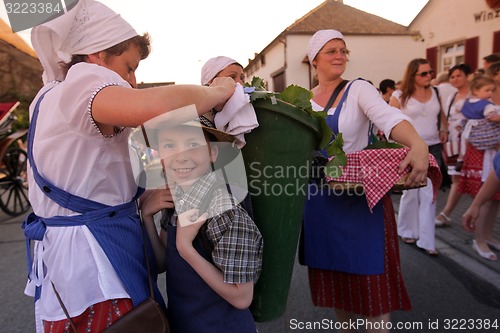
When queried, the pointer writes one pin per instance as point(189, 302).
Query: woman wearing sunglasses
point(421, 103)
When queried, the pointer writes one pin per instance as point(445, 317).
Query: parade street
point(456, 291)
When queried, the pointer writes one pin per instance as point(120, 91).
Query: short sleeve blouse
point(70, 152)
point(69, 147)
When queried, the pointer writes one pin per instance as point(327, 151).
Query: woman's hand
point(418, 160)
point(494, 118)
point(157, 200)
point(443, 135)
point(469, 218)
point(227, 86)
point(487, 191)
point(418, 156)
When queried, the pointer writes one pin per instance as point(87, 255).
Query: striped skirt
point(366, 295)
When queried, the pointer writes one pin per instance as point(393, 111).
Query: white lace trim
point(118, 130)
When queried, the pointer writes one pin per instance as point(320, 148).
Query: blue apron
point(340, 233)
point(193, 306)
point(117, 229)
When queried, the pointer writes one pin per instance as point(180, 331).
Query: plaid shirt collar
point(194, 198)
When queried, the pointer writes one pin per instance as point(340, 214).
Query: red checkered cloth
point(377, 171)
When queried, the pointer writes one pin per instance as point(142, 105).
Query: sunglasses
point(423, 74)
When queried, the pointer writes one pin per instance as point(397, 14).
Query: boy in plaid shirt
point(210, 247)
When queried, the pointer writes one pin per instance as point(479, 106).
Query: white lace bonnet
point(213, 66)
point(319, 39)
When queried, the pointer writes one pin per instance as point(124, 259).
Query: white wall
point(372, 57)
point(274, 60)
point(297, 72)
point(376, 58)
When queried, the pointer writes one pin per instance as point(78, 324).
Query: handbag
point(451, 149)
point(148, 316)
point(145, 317)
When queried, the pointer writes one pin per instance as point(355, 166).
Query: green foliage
point(298, 96)
point(257, 83)
point(260, 91)
point(332, 170)
point(325, 129)
point(301, 98)
point(257, 94)
point(339, 159)
point(335, 148)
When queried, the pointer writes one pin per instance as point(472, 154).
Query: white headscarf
point(319, 39)
point(87, 28)
point(213, 67)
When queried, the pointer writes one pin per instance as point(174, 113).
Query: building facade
point(446, 32)
point(458, 31)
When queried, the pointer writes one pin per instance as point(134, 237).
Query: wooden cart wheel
point(14, 182)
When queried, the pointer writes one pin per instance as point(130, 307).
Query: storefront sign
point(484, 15)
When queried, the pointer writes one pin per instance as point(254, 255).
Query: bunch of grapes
point(317, 170)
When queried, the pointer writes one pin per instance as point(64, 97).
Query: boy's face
point(186, 154)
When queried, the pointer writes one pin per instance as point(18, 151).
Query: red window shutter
point(431, 55)
point(471, 56)
point(496, 42)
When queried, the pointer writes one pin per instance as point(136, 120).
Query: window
point(278, 80)
point(452, 55)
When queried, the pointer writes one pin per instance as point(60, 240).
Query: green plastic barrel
point(277, 159)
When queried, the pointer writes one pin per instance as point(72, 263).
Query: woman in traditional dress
point(353, 255)
point(85, 224)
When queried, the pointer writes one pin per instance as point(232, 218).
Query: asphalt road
point(439, 288)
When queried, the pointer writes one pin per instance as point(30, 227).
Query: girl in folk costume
point(479, 130)
point(85, 224)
